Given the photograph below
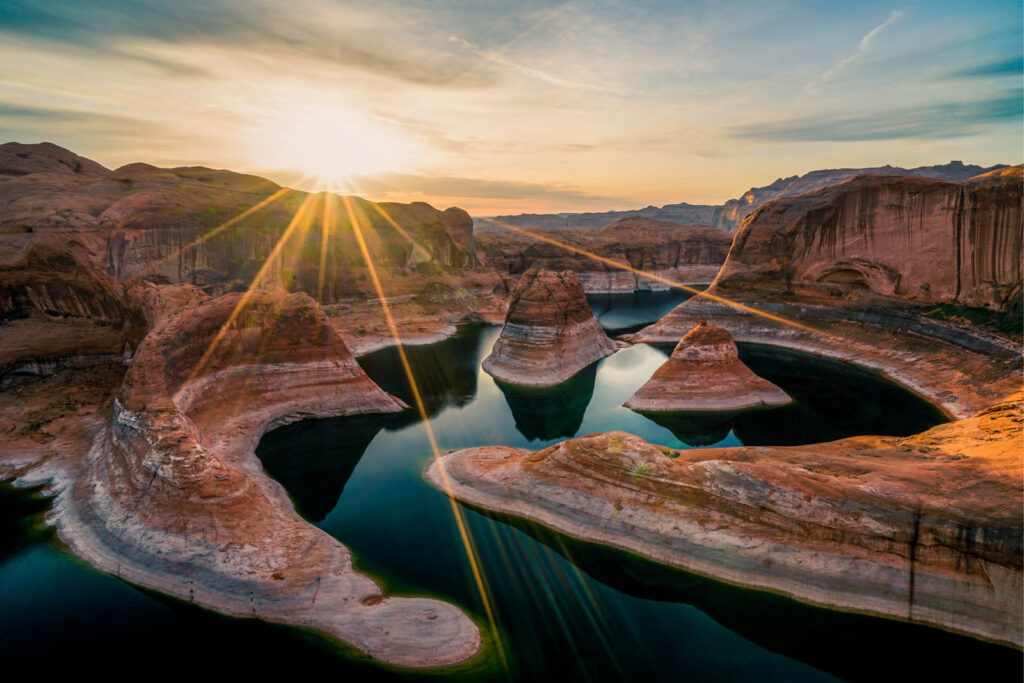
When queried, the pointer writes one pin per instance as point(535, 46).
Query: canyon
point(156, 323)
point(690, 254)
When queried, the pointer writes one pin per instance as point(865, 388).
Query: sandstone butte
point(704, 373)
point(144, 425)
point(550, 333)
point(689, 254)
point(925, 528)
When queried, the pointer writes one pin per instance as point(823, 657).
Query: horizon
point(536, 108)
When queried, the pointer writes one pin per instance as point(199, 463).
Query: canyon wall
point(918, 239)
point(216, 229)
point(678, 253)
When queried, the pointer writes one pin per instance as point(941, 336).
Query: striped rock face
point(550, 333)
point(705, 374)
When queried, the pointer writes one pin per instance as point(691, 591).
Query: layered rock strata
point(686, 254)
point(917, 239)
point(705, 374)
point(158, 483)
point(925, 529)
point(217, 229)
point(550, 333)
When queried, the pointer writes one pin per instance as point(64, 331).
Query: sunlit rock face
point(925, 528)
point(705, 374)
point(919, 239)
point(217, 229)
point(667, 250)
point(550, 333)
point(732, 213)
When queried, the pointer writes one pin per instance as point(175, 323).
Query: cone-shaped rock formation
point(705, 374)
point(550, 333)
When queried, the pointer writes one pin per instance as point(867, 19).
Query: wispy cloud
point(1004, 67)
point(943, 120)
point(862, 48)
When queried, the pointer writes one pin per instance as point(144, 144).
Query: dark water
point(566, 610)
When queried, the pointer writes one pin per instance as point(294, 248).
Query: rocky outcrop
point(925, 529)
point(916, 239)
point(160, 485)
point(732, 213)
point(550, 333)
point(682, 213)
point(676, 253)
point(705, 374)
point(56, 312)
point(217, 229)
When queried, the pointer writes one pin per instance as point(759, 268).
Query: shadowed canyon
point(418, 442)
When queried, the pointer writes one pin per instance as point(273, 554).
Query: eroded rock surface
point(918, 239)
point(925, 528)
point(156, 476)
point(688, 254)
point(550, 333)
point(705, 374)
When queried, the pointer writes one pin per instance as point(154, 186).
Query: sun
point(331, 144)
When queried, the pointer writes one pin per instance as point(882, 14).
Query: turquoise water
point(565, 610)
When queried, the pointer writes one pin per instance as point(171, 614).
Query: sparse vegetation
point(999, 321)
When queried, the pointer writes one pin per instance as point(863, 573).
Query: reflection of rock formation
point(704, 374)
point(822, 638)
point(925, 529)
point(678, 253)
point(445, 373)
point(551, 413)
point(695, 429)
point(920, 239)
point(160, 484)
point(550, 333)
point(314, 459)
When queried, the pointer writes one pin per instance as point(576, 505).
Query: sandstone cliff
point(686, 254)
point(918, 239)
point(215, 228)
point(550, 333)
point(683, 213)
point(925, 529)
point(705, 374)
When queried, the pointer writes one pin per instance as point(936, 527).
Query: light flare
point(463, 529)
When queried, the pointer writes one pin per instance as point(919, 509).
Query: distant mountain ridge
point(728, 215)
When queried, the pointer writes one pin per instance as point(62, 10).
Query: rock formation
point(705, 374)
point(550, 333)
point(925, 528)
point(154, 468)
point(732, 213)
point(685, 254)
point(918, 239)
point(216, 229)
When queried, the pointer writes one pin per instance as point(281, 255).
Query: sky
point(522, 106)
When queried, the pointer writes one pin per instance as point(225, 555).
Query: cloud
point(1005, 67)
point(92, 121)
point(367, 41)
point(936, 121)
point(862, 49)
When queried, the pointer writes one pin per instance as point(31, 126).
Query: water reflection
point(826, 639)
point(445, 372)
point(314, 459)
point(625, 313)
point(551, 413)
point(695, 429)
point(831, 400)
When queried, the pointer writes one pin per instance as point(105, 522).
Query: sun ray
point(460, 521)
point(654, 276)
point(302, 215)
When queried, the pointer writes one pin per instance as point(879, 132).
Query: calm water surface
point(565, 610)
